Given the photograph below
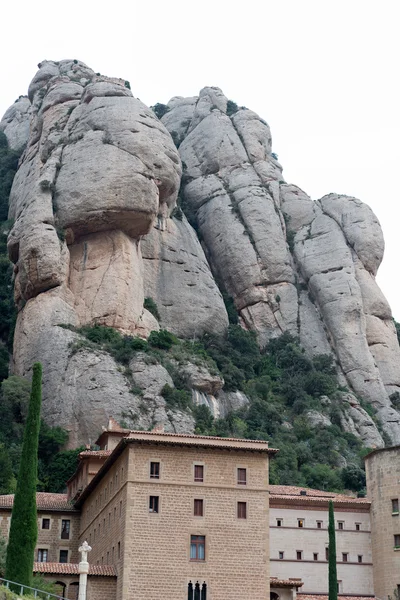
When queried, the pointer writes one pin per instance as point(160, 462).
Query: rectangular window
point(345, 556)
point(199, 473)
point(319, 524)
point(279, 522)
point(395, 506)
point(63, 556)
point(65, 529)
point(300, 522)
point(154, 470)
point(242, 510)
point(119, 550)
point(397, 540)
point(340, 525)
point(197, 547)
point(326, 553)
point(42, 555)
point(198, 508)
point(358, 526)
point(153, 504)
point(241, 477)
point(360, 558)
point(281, 555)
point(45, 523)
point(299, 554)
point(315, 555)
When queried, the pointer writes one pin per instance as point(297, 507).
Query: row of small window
point(112, 555)
point(107, 488)
point(65, 527)
point(198, 473)
point(302, 523)
point(299, 556)
point(198, 507)
point(43, 555)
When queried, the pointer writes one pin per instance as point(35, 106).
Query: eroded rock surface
point(289, 263)
point(96, 231)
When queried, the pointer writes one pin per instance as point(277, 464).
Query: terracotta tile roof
point(73, 569)
point(44, 501)
point(276, 582)
point(194, 437)
point(325, 597)
point(290, 492)
point(98, 453)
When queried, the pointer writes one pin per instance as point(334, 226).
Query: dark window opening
point(299, 555)
point(397, 540)
point(198, 508)
point(154, 470)
point(345, 557)
point(197, 591)
point(199, 473)
point(300, 522)
point(42, 555)
point(153, 504)
point(45, 523)
point(279, 522)
point(395, 505)
point(340, 525)
point(65, 529)
point(319, 524)
point(360, 558)
point(326, 553)
point(241, 476)
point(242, 510)
point(63, 556)
point(197, 547)
point(281, 555)
point(315, 555)
point(358, 526)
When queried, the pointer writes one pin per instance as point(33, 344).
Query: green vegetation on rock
point(285, 388)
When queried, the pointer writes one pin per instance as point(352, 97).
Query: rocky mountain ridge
point(97, 230)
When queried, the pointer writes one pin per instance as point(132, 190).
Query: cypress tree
point(23, 529)
point(333, 591)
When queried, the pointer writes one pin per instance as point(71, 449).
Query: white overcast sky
point(323, 73)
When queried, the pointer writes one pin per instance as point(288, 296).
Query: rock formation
point(96, 230)
point(289, 263)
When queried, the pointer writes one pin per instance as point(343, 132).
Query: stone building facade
point(382, 468)
point(166, 515)
point(299, 539)
point(174, 512)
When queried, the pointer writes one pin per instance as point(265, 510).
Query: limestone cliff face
point(95, 232)
point(99, 172)
point(289, 263)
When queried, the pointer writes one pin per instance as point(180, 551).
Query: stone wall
point(289, 538)
point(383, 485)
point(50, 539)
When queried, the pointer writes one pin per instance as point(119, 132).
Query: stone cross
point(83, 570)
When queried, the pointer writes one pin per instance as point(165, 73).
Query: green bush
point(176, 398)
point(160, 109)
point(151, 306)
point(162, 339)
point(231, 108)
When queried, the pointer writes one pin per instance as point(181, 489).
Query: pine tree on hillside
point(23, 530)
point(333, 586)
